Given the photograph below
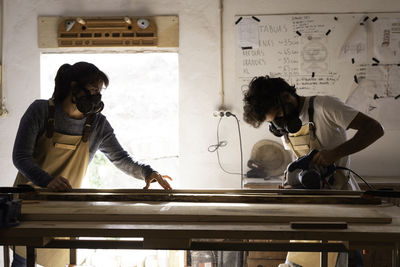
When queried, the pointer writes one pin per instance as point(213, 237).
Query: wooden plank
point(47, 32)
point(167, 30)
point(212, 191)
point(366, 233)
point(185, 243)
point(199, 212)
point(271, 255)
point(203, 197)
point(162, 243)
point(318, 225)
point(95, 244)
point(292, 246)
point(216, 195)
point(106, 32)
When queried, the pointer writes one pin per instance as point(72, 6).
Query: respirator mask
point(288, 123)
point(87, 103)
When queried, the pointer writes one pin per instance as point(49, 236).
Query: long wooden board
point(203, 197)
point(223, 196)
point(198, 212)
point(167, 28)
point(212, 191)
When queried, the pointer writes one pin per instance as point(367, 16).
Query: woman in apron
point(307, 123)
point(57, 138)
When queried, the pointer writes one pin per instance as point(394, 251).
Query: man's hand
point(155, 176)
point(325, 158)
point(59, 184)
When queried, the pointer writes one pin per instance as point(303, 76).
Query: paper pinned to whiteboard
point(248, 35)
point(314, 54)
point(355, 46)
point(387, 40)
point(378, 95)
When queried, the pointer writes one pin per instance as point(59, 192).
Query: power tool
point(302, 173)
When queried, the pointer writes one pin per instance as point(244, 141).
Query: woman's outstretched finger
point(166, 176)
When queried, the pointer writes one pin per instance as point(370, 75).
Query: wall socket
point(220, 113)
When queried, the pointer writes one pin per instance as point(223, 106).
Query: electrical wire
point(241, 147)
point(344, 168)
point(221, 50)
point(215, 148)
point(3, 110)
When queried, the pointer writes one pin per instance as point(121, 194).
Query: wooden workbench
point(204, 220)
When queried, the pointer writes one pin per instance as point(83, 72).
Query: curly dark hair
point(83, 73)
point(263, 95)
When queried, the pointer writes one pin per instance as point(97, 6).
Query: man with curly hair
point(308, 123)
point(312, 122)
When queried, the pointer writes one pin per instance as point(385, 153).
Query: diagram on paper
point(378, 95)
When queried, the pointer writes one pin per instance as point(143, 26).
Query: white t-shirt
point(331, 118)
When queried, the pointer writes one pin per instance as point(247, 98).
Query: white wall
point(199, 77)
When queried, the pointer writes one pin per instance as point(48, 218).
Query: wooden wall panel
point(167, 30)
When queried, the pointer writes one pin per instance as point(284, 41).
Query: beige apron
point(302, 143)
point(59, 155)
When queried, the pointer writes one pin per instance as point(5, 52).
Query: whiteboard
point(355, 57)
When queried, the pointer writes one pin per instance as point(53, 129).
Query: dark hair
point(263, 95)
point(83, 73)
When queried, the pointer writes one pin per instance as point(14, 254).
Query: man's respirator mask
point(289, 123)
point(87, 103)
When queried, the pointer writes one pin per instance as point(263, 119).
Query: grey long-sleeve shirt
point(33, 125)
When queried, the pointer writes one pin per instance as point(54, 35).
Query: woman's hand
point(155, 176)
point(59, 184)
